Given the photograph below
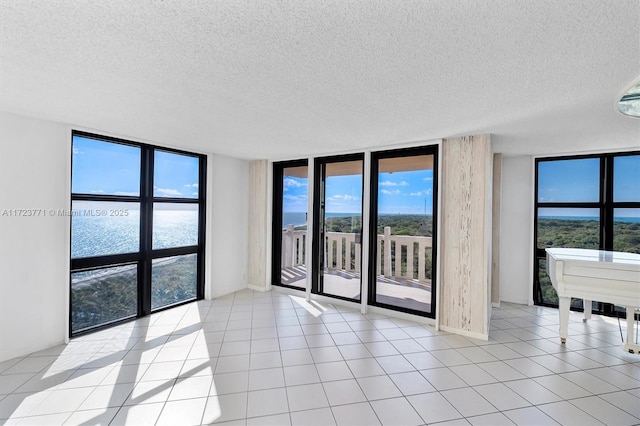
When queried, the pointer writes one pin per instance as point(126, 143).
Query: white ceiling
point(284, 79)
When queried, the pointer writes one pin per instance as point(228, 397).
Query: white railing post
point(379, 254)
point(387, 251)
point(398, 259)
point(421, 254)
point(327, 249)
point(410, 260)
point(288, 247)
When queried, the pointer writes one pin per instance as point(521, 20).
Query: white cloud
point(97, 191)
point(126, 193)
point(191, 185)
point(428, 178)
point(168, 192)
point(194, 193)
point(76, 150)
point(390, 183)
point(388, 192)
point(345, 197)
point(421, 193)
point(291, 183)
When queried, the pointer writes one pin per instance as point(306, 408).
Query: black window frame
point(606, 207)
point(373, 226)
point(317, 254)
point(146, 254)
point(276, 220)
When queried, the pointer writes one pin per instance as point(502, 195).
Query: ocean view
point(118, 231)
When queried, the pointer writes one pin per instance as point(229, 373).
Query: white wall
point(515, 230)
point(228, 221)
point(34, 251)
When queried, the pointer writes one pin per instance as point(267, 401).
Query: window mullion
point(146, 230)
point(607, 220)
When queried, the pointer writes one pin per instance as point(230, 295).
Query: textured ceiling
point(283, 79)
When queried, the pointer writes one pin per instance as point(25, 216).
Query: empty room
point(318, 212)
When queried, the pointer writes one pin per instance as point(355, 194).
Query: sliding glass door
point(289, 230)
point(401, 230)
point(337, 245)
point(402, 238)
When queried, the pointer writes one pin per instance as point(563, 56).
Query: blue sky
point(579, 181)
point(569, 180)
point(405, 192)
point(114, 169)
point(398, 192)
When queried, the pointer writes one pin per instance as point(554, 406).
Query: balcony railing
point(342, 253)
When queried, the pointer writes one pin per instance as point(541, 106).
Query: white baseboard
point(257, 288)
point(466, 333)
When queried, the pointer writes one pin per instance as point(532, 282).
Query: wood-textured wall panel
point(495, 231)
point(258, 174)
point(465, 206)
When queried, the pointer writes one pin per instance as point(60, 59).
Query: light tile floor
point(253, 358)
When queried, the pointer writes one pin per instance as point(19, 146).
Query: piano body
point(604, 276)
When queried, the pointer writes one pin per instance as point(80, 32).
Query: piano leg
point(587, 309)
point(630, 346)
point(563, 308)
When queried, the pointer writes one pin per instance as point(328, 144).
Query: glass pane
point(100, 228)
point(626, 230)
point(175, 175)
point(567, 227)
point(569, 180)
point(173, 280)
point(549, 295)
point(294, 226)
point(626, 178)
point(404, 261)
point(174, 225)
point(104, 168)
point(342, 225)
point(102, 296)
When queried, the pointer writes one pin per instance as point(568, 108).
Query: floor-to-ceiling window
point(137, 230)
point(289, 230)
point(337, 247)
point(403, 207)
point(402, 227)
point(588, 202)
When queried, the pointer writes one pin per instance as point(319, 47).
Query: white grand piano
point(604, 276)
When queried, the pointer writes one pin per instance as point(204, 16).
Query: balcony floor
point(404, 293)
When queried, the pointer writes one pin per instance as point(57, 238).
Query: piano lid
point(587, 255)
